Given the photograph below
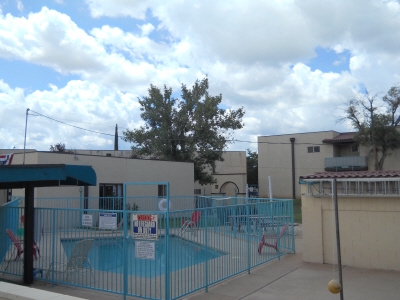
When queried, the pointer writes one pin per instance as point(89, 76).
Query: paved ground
point(290, 278)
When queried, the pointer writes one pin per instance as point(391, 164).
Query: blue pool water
point(107, 255)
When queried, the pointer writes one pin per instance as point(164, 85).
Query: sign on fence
point(108, 220)
point(145, 250)
point(144, 227)
point(87, 220)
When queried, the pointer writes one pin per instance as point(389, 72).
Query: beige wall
point(230, 173)
point(368, 231)
point(275, 160)
point(392, 160)
point(114, 153)
point(118, 171)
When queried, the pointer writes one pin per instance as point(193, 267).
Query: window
point(162, 190)
point(313, 149)
point(354, 148)
point(197, 191)
point(110, 196)
point(216, 186)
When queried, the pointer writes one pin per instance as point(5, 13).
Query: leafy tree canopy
point(60, 148)
point(191, 129)
point(376, 121)
point(252, 167)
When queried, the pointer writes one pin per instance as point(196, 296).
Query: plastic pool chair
point(272, 239)
point(76, 263)
point(18, 247)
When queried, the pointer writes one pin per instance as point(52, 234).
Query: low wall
point(369, 231)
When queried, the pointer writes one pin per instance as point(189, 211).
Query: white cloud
point(254, 52)
point(80, 103)
point(20, 6)
point(146, 29)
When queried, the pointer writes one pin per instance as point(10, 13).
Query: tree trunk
point(381, 160)
point(376, 163)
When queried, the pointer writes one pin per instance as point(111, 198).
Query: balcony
point(346, 163)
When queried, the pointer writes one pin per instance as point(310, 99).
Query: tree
point(252, 167)
point(376, 122)
point(191, 129)
point(60, 148)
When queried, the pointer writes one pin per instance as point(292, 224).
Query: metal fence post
point(125, 250)
point(248, 239)
point(53, 250)
point(166, 224)
point(206, 243)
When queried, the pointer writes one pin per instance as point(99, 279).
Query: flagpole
point(26, 125)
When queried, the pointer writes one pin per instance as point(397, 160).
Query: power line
point(94, 131)
point(121, 137)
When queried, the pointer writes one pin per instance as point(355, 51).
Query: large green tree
point(191, 129)
point(252, 167)
point(376, 120)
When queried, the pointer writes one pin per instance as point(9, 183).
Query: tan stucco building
point(231, 176)
point(112, 173)
point(115, 167)
point(286, 157)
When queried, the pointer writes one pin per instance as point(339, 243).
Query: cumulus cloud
point(82, 104)
point(254, 52)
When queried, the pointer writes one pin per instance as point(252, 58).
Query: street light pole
point(26, 126)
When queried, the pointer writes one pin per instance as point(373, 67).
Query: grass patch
point(297, 211)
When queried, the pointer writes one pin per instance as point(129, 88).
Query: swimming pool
point(107, 255)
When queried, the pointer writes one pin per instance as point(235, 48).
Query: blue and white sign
point(108, 220)
point(144, 227)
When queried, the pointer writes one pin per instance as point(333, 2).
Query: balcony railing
point(346, 163)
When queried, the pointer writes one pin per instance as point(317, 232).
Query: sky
point(81, 66)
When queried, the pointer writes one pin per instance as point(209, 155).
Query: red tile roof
point(353, 174)
point(341, 138)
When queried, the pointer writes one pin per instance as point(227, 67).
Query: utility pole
point(26, 126)
point(116, 138)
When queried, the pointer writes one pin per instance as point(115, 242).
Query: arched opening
point(228, 188)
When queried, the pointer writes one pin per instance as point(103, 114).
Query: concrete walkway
point(290, 278)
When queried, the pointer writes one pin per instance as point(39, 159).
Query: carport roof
point(353, 175)
point(18, 176)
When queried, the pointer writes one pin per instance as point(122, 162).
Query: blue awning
point(18, 176)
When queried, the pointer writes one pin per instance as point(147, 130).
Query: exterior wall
point(230, 174)
point(114, 170)
point(392, 160)
point(113, 153)
point(368, 231)
point(275, 160)
point(344, 150)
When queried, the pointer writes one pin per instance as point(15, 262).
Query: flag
point(6, 159)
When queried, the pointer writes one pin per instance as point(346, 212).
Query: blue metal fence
point(210, 241)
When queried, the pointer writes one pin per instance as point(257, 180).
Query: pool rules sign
point(144, 227)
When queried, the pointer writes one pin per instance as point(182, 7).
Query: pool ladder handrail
point(191, 225)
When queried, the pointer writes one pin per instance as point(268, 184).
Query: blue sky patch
point(327, 60)
point(31, 77)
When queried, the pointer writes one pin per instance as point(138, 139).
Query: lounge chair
point(18, 247)
point(271, 240)
point(76, 262)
